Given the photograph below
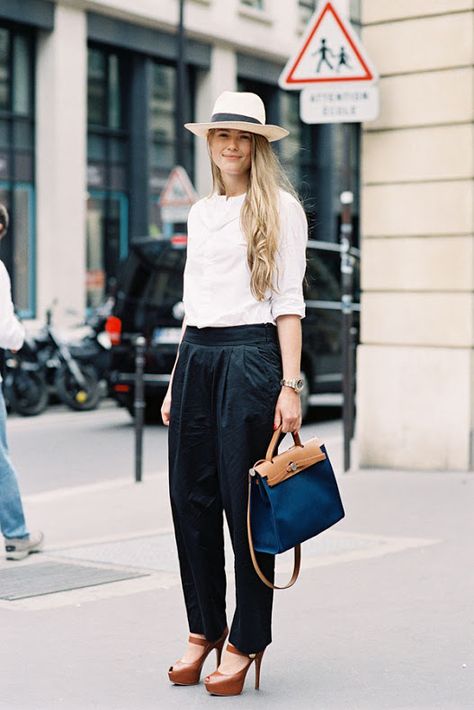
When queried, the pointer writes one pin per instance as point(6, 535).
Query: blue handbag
point(293, 496)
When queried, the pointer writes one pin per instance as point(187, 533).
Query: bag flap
point(290, 462)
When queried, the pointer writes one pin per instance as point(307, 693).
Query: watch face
point(299, 385)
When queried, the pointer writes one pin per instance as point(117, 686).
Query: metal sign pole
point(347, 199)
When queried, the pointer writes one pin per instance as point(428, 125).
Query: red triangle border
point(368, 76)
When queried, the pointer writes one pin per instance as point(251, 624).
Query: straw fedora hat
point(242, 111)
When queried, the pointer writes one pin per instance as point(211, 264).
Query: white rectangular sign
point(173, 215)
point(343, 103)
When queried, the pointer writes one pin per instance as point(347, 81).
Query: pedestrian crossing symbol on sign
point(330, 51)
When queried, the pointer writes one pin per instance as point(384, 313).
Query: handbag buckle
point(252, 471)
point(292, 466)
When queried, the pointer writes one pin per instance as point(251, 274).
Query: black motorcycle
point(74, 379)
point(93, 347)
point(48, 366)
point(25, 383)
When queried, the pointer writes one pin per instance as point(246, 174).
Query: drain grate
point(158, 552)
point(151, 552)
point(34, 580)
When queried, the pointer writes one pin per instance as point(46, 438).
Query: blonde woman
point(236, 378)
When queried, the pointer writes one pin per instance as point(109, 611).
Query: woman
point(236, 376)
point(19, 543)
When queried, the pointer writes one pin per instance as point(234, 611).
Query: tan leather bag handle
point(274, 441)
point(297, 549)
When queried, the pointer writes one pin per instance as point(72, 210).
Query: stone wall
point(415, 362)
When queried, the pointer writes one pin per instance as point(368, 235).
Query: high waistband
point(232, 335)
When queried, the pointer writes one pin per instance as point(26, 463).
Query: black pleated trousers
point(223, 396)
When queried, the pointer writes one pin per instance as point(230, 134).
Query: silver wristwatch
point(296, 383)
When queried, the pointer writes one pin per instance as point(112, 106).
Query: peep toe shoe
point(218, 683)
point(190, 673)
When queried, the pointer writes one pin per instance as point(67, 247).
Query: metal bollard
point(139, 405)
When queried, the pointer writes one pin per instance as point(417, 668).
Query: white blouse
point(217, 277)
point(12, 333)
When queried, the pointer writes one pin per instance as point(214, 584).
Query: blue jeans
point(12, 519)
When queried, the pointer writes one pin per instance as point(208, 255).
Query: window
point(291, 148)
point(107, 170)
point(306, 8)
point(341, 171)
point(355, 11)
point(163, 122)
point(164, 139)
point(257, 4)
point(17, 162)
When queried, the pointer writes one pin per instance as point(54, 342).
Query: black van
point(149, 303)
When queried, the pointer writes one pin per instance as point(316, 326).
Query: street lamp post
point(181, 86)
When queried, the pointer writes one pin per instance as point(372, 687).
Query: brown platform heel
point(232, 684)
point(190, 673)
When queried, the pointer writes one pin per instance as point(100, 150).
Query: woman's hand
point(288, 411)
point(165, 408)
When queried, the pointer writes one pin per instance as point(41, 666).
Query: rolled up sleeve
point(12, 333)
point(287, 298)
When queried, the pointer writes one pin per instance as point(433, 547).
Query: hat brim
point(272, 133)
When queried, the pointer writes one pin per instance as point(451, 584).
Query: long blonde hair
point(259, 217)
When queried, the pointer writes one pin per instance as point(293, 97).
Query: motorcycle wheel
point(27, 393)
point(70, 393)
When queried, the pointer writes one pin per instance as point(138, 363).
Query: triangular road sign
point(178, 190)
point(330, 51)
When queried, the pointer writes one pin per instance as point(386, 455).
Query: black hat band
point(234, 117)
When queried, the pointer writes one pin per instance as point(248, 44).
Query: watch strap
point(294, 383)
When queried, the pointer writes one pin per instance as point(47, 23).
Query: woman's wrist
point(285, 388)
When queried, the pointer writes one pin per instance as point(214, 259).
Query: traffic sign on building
point(177, 196)
point(333, 71)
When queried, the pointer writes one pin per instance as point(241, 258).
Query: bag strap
point(297, 562)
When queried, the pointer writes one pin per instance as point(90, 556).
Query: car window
point(150, 284)
point(323, 275)
point(165, 283)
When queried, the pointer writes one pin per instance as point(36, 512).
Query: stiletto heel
point(218, 683)
point(190, 673)
point(258, 663)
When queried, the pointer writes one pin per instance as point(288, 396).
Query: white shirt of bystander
point(12, 333)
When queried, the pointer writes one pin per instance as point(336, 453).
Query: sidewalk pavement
point(381, 617)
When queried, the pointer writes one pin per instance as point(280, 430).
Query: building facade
point(415, 363)
point(88, 128)
point(88, 137)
